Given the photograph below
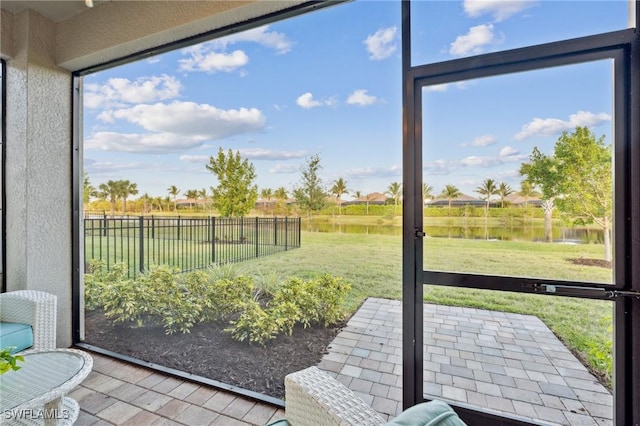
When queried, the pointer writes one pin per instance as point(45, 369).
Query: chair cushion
point(432, 413)
point(14, 334)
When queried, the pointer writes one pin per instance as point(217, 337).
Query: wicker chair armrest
point(37, 308)
point(313, 397)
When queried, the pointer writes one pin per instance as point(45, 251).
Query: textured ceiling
point(55, 10)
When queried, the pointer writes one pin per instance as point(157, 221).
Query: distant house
point(519, 200)
point(375, 198)
point(187, 203)
point(461, 201)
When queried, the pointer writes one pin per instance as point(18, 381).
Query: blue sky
point(329, 83)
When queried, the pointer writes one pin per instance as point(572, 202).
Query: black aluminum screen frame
point(623, 48)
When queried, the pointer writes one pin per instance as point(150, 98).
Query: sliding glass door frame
point(622, 48)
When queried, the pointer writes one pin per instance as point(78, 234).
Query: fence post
point(257, 235)
point(286, 234)
point(213, 239)
point(104, 218)
point(179, 227)
point(141, 243)
point(275, 231)
point(153, 227)
point(299, 231)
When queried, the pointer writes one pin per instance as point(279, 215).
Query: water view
point(567, 235)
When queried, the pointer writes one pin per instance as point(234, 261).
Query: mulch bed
point(591, 262)
point(209, 352)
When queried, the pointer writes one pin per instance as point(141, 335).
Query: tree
point(281, 193)
point(126, 188)
point(395, 191)
point(110, 191)
point(174, 191)
point(586, 180)
point(450, 192)
point(357, 194)
point(192, 197)
point(338, 189)
point(236, 193)
point(427, 192)
point(542, 171)
point(527, 190)
point(266, 194)
point(487, 190)
point(88, 190)
point(310, 195)
point(504, 191)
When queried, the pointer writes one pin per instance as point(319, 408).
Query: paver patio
point(504, 362)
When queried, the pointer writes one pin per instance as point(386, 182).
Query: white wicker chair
point(312, 397)
point(33, 307)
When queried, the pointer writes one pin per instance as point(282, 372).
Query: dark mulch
point(590, 262)
point(209, 352)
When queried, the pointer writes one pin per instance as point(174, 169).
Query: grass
point(373, 266)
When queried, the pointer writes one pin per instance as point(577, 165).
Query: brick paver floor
point(500, 361)
point(119, 393)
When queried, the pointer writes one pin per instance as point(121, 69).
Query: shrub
point(179, 301)
point(254, 325)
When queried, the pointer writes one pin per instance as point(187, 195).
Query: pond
point(572, 235)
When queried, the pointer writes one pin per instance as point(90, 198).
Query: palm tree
point(504, 191)
point(357, 194)
point(192, 194)
point(266, 194)
point(426, 192)
point(338, 189)
point(487, 190)
point(173, 191)
point(395, 190)
point(281, 193)
point(450, 192)
point(111, 191)
point(127, 188)
point(146, 202)
point(527, 190)
point(202, 194)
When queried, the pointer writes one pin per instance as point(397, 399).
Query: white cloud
point(306, 101)
point(475, 161)
point(361, 98)
point(189, 118)
point(265, 154)
point(445, 86)
point(211, 62)
point(499, 9)
point(261, 35)
point(106, 167)
point(152, 143)
point(199, 159)
point(481, 141)
point(211, 56)
point(555, 126)
point(121, 91)
point(474, 41)
point(437, 167)
point(372, 172)
point(508, 151)
point(382, 43)
point(285, 168)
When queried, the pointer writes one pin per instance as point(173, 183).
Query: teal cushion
point(432, 413)
point(15, 335)
point(281, 422)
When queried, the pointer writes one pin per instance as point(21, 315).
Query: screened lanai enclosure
point(504, 135)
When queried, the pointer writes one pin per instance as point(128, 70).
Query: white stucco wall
point(38, 167)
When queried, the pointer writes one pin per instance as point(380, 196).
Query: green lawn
point(373, 266)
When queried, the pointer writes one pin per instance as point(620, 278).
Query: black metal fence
point(186, 242)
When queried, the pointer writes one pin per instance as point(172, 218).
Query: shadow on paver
point(501, 361)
